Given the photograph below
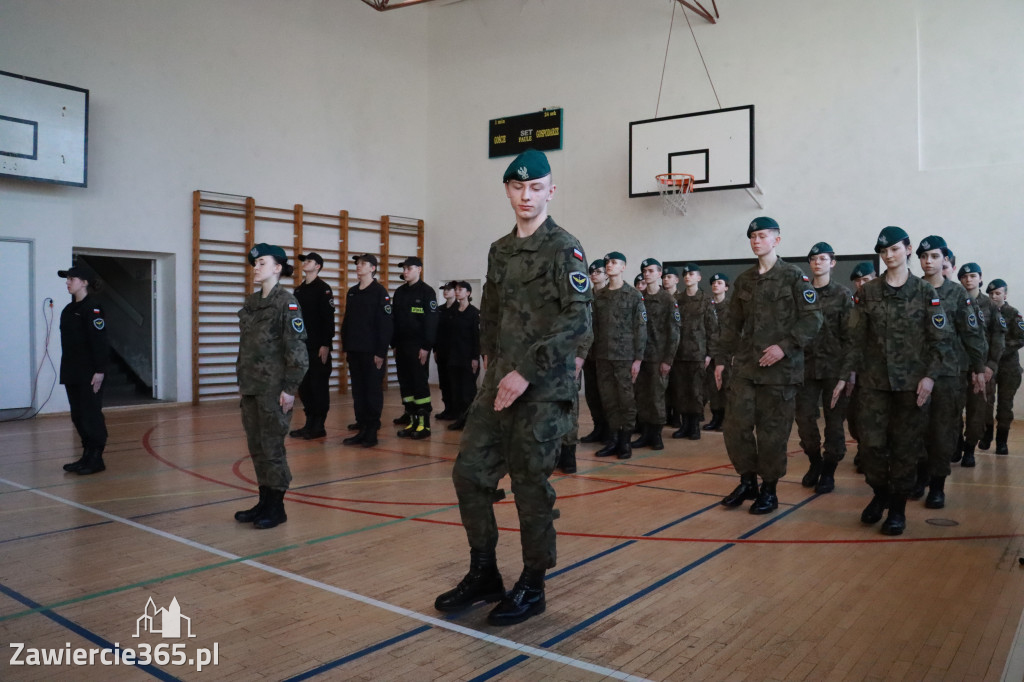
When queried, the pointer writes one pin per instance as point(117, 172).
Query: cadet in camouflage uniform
point(692, 356)
point(272, 360)
point(995, 333)
point(600, 434)
point(662, 340)
point(715, 395)
point(773, 315)
point(534, 316)
point(670, 283)
point(823, 359)
point(620, 337)
point(952, 383)
point(862, 273)
point(901, 339)
point(1009, 374)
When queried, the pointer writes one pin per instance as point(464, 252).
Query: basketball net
point(675, 189)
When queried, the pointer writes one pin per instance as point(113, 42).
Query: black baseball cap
point(411, 260)
point(313, 256)
point(367, 258)
point(81, 271)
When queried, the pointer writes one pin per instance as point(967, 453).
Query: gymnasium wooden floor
point(655, 580)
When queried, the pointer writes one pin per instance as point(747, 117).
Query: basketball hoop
point(675, 189)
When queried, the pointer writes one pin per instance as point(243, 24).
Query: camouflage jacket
point(662, 327)
point(535, 311)
point(824, 356)
point(994, 325)
point(970, 348)
point(272, 353)
point(1014, 331)
point(777, 307)
point(899, 336)
point(721, 312)
point(620, 324)
point(697, 327)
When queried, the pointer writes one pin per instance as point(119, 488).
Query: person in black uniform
point(444, 379)
point(366, 330)
point(463, 353)
point(83, 362)
point(414, 337)
point(316, 299)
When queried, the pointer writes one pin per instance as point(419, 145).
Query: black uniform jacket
point(317, 302)
point(415, 316)
point(83, 341)
point(367, 325)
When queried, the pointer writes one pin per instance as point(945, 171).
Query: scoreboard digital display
point(541, 130)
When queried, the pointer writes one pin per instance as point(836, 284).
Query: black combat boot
point(405, 418)
point(624, 451)
point(250, 515)
point(695, 420)
point(93, 463)
point(968, 459)
point(746, 490)
point(355, 426)
point(598, 435)
point(897, 519)
point(422, 426)
point(1002, 435)
point(644, 439)
point(370, 435)
point(611, 446)
point(410, 426)
point(684, 427)
point(567, 459)
point(482, 583)
point(921, 482)
point(767, 501)
point(986, 438)
point(936, 493)
point(301, 433)
point(716, 421)
point(316, 429)
point(72, 467)
point(356, 439)
point(827, 479)
point(272, 513)
point(876, 507)
point(525, 599)
point(810, 479)
point(959, 450)
point(656, 442)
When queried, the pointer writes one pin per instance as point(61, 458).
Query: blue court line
point(82, 632)
point(356, 655)
point(54, 532)
point(498, 669)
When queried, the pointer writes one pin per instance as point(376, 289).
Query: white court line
point(1014, 670)
point(370, 601)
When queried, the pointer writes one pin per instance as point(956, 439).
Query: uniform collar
point(535, 240)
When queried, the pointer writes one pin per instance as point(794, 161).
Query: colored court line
point(357, 655)
point(82, 632)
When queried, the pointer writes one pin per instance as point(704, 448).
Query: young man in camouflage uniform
point(600, 434)
point(994, 326)
point(662, 339)
point(1008, 375)
point(862, 273)
point(953, 383)
point(715, 395)
point(823, 359)
point(272, 360)
point(534, 316)
point(670, 283)
point(773, 315)
point(692, 357)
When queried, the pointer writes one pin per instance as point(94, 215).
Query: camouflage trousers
point(941, 439)
point(809, 396)
point(688, 379)
point(892, 430)
point(1007, 382)
point(758, 421)
point(851, 414)
point(978, 410)
point(715, 396)
point(616, 387)
point(572, 436)
point(592, 392)
point(265, 426)
point(650, 394)
point(522, 441)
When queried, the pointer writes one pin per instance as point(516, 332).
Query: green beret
point(951, 256)
point(673, 271)
point(889, 236)
point(617, 255)
point(638, 279)
point(647, 262)
point(820, 248)
point(690, 267)
point(931, 243)
point(263, 249)
point(967, 269)
point(995, 284)
point(719, 277)
point(862, 269)
point(529, 165)
point(762, 223)
point(596, 265)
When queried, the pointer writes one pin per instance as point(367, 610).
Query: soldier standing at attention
point(1009, 374)
point(534, 314)
point(463, 353)
point(620, 337)
point(901, 340)
point(716, 396)
point(862, 273)
point(994, 326)
point(692, 356)
point(662, 340)
point(773, 315)
point(954, 382)
point(272, 360)
point(444, 380)
point(83, 363)
point(316, 300)
point(366, 331)
point(670, 283)
point(600, 434)
point(823, 359)
point(415, 333)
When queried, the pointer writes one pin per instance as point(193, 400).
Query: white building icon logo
point(163, 622)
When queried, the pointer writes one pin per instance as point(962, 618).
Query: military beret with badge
point(719, 277)
point(862, 269)
point(968, 269)
point(529, 165)
point(595, 266)
point(995, 284)
point(888, 236)
point(690, 267)
point(275, 252)
point(820, 248)
point(931, 243)
point(762, 223)
point(673, 271)
point(614, 255)
point(647, 262)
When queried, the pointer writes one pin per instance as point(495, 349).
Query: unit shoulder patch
point(972, 320)
point(99, 323)
point(939, 320)
point(579, 281)
point(810, 295)
point(298, 325)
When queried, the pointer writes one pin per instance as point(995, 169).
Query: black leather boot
point(959, 450)
point(624, 451)
point(482, 583)
point(611, 446)
point(695, 420)
point(370, 435)
point(404, 419)
point(968, 459)
point(986, 439)
point(316, 429)
point(93, 463)
point(1002, 435)
point(525, 599)
point(716, 421)
point(827, 479)
point(644, 439)
point(250, 515)
point(356, 439)
point(810, 479)
point(301, 433)
point(355, 426)
point(656, 442)
point(876, 507)
point(767, 500)
point(567, 459)
point(746, 490)
point(73, 467)
point(936, 493)
point(684, 427)
point(598, 435)
point(921, 482)
point(422, 426)
point(897, 519)
point(272, 513)
point(410, 427)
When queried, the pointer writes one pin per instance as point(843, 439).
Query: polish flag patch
point(578, 254)
point(804, 277)
point(936, 301)
point(293, 306)
point(96, 310)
